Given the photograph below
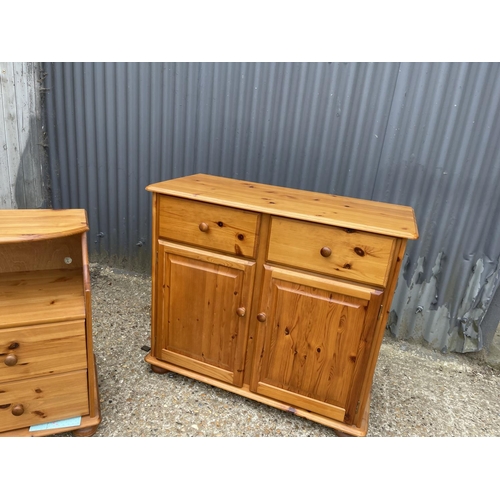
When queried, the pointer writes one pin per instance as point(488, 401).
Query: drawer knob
point(241, 311)
point(326, 251)
point(261, 317)
point(18, 410)
point(203, 227)
point(10, 359)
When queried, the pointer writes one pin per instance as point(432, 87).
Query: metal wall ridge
point(418, 134)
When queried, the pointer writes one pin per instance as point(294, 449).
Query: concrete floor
point(416, 391)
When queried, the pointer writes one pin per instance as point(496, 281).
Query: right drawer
point(344, 253)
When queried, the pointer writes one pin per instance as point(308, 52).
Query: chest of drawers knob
point(261, 317)
point(241, 311)
point(18, 410)
point(10, 360)
point(203, 227)
point(326, 252)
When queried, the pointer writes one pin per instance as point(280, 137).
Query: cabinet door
point(313, 341)
point(204, 308)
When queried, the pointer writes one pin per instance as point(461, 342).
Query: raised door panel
point(205, 301)
point(314, 337)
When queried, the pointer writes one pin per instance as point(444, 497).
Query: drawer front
point(41, 350)
point(43, 400)
point(211, 226)
point(344, 253)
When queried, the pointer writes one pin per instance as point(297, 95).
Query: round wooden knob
point(326, 252)
point(10, 359)
point(261, 317)
point(18, 410)
point(241, 311)
point(203, 227)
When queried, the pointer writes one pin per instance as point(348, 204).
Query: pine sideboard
point(276, 294)
point(48, 376)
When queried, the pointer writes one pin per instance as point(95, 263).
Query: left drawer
point(229, 230)
point(43, 399)
point(41, 350)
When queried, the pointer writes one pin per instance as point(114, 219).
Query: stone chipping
point(416, 391)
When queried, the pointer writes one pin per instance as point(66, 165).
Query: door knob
point(18, 410)
point(326, 252)
point(261, 317)
point(10, 359)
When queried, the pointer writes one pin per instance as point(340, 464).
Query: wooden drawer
point(228, 230)
point(348, 254)
point(43, 400)
point(39, 350)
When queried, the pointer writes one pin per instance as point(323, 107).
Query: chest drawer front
point(39, 350)
point(43, 400)
point(211, 226)
point(352, 255)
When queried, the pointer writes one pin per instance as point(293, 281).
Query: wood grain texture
point(31, 298)
point(156, 284)
point(202, 293)
point(94, 410)
point(40, 224)
point(88, 425)
point(209, 369)
point(42, 255)
point(45, 399)
point(380, 331)
point(295, 399)
point(311, 341)
point(355, 255)
point(332, 210)
point(316, 318)
point(321, 282)
point(41, 350)
point(47, 364)
point(226, 229)
point(262, 246)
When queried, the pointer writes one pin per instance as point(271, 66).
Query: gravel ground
point(416, 391)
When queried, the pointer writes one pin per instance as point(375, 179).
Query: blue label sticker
point(59, 424)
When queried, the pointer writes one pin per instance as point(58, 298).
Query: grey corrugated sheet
point(424, 135)
point(442, 156)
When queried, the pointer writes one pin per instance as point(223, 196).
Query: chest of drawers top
point(332, 210)
point(40, 224)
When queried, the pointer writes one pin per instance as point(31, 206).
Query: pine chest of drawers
point(276, 294)
point(48, 377)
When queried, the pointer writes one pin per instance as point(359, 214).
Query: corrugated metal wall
point(22, 157)
point(418, 134)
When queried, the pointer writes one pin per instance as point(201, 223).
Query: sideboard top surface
point(354, 213)
point(40, 224)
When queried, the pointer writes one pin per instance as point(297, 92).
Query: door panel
point(204, 318)
point(314, 339)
